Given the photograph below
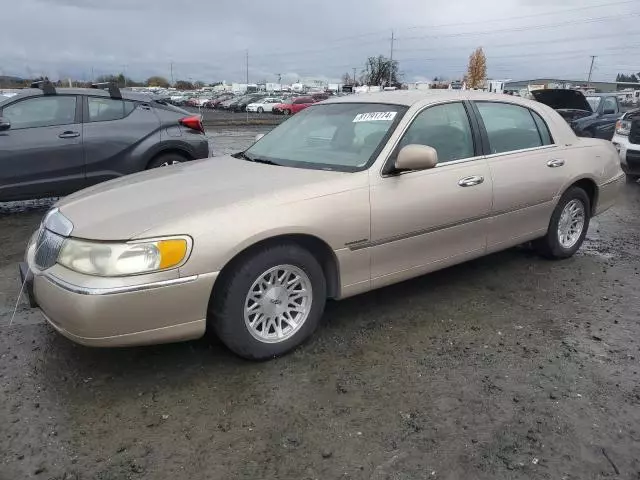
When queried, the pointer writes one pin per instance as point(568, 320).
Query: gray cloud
point(312, 40)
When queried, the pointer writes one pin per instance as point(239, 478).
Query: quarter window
point(545, 135)
point(105, 109)
point(509, 127)
point(445, 128)
point(41, 112)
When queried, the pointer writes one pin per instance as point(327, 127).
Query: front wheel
point(165, 160)
point(568, 225)
point(260, 110)
point(286, 111)
point(270, 303)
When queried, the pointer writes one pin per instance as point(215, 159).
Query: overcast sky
point(301, 39)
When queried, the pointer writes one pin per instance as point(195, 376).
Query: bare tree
point(477, 71)
point(346, 79)
point(376, 71)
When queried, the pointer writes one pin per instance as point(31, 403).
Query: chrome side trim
point(522, 150)
point(613, 180)
point(115, 290)
point(376, 243)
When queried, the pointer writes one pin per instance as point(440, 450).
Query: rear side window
point(41, 112)
point(105, 109)
point(610, 105)
point(509, 127)
point(545, 135)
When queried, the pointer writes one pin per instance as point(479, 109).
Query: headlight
point(623, 127)
point(111, 259)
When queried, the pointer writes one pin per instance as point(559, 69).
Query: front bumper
point(119, 312)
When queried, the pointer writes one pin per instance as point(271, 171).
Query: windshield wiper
point(244, 156)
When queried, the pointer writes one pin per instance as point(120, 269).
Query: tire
point(165, 160)
point(249, 335)
point(260, 110)
point(286, 111)
point(551, 246)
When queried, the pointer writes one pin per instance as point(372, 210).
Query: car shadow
point(187, 363)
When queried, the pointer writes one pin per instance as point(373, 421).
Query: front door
point(41, 154)
point(425, 220)
point(528, 171)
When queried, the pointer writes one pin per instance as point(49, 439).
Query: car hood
point(127, 207)
point(562, 99)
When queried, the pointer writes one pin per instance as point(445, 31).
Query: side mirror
point(608, 111)
point(259, 136)
point(416, 157)
point(5, 124)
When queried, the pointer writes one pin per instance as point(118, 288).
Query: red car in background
point(294, 105)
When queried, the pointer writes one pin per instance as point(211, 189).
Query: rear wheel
point(166, 159)
point(568, 225)
point(286, 111)
point(270, 303)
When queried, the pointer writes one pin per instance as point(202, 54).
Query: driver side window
point(610, 105)
point(444, 127)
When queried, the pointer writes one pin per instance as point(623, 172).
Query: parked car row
point(260, 102)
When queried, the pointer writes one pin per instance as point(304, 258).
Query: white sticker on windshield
point(375, 116)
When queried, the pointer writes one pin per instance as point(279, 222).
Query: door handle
point(470, 181)
point(69, 134)
point(556, 162)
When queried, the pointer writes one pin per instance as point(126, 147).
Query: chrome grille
point(48, 247)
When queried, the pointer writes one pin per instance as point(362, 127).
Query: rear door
point(528, 170)
point(117, 135)
point(41, 154)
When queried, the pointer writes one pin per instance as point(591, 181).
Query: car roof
point(95, 92)
point(411, 97)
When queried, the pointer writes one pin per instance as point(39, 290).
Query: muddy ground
point(507, 367)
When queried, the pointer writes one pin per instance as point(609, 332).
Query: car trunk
point(570, 104)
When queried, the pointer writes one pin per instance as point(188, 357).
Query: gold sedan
point(350, 195)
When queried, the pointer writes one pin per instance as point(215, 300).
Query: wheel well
point(318, 248)
point(591, 189)
point(186, 155)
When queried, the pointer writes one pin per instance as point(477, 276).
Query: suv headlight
point(114, 259)
point(623, 127)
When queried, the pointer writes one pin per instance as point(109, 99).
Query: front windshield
point(335, 136)
point(594, 102)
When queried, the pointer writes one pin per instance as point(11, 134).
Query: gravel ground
point(507, 367)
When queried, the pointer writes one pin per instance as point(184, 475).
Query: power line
point(524, 28)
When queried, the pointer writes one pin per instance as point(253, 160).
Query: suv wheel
point(165, 160)
point(568, 226)
point(270, 303)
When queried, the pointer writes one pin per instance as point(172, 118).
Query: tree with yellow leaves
point(477, 71)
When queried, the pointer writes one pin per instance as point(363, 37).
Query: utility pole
point(593, 59)
point(124, 74)
point(391, 60)
point(354, 76)
point(247, 68)
point(93, 79)
point(171, 67)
